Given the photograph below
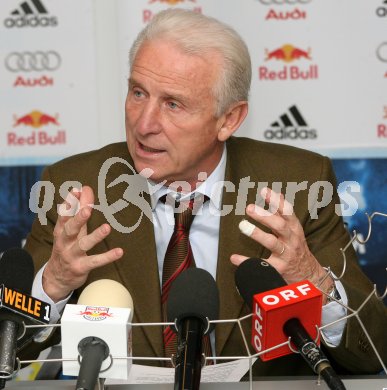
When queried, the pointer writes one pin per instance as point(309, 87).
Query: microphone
point(94, 329)
point(17, 307)
point(288, 311)
point(193, 300)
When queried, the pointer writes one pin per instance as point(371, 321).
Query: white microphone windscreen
point(106, 292)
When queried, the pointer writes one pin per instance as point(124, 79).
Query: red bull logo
point(36, 119)
point(147, 14)
point(95, 313)
point(170, 2)
point(382, 127)
point(37, 136)
point(287, 53)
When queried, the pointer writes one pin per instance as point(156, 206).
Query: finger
point(86, 202)
point(89, 241)
point(278, 264)
point(96, 261)
point(66, 210)
point(87, 197)
point(268, 240)
point(274, 222)
point(74, 225)
point(238, 259)
point(277, 202)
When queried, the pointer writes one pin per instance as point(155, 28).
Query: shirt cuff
point(38, 292)
point(332, 312)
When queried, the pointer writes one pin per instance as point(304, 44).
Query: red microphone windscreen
point(273, 308)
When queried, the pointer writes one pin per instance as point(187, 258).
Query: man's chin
point(149, 173)
point(158, 178)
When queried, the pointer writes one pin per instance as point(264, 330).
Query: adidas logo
point(30, 13)
point(290, 126)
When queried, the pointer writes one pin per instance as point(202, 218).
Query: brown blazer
point(137, 270)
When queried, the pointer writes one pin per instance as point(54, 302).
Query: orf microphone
point(192, 301)
point(94, 329)
point(17, 307)
point(277, 315)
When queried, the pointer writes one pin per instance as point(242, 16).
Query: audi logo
point(38, 61)
point(381, 52)
point(274, 2)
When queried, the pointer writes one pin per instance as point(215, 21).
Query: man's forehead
point(161, 50)
point(175, 72)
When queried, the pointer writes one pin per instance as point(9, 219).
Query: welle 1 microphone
point(95, 332)
point(192, 301)
point(17, 307)
point(281, 311)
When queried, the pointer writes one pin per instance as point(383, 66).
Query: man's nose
point(149, 120)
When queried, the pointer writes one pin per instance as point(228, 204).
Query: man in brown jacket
point(187, 95)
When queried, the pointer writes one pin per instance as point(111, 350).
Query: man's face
point(170, 122)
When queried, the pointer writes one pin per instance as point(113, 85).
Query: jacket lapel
point(138, 268)
point(232, 241)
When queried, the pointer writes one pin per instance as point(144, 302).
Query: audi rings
point(38, 61)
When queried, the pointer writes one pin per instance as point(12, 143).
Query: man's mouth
point(149, 149)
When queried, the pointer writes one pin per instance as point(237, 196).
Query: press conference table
point(361, 383)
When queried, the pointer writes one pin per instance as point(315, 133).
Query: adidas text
point(31, 21)
point(290, 133)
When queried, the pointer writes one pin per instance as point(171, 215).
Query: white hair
point(198, 34)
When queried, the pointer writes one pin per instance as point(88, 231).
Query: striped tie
point(178, 258)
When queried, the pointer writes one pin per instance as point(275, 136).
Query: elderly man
point(187, 95)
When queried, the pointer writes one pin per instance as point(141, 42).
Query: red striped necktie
point(178, 258)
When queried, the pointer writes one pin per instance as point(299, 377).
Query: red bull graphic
point(95, 313)
point(288, 53)
point(170, 2)
point(147, 14)
point(382, 127)
point(382, 130)
point(36, 120)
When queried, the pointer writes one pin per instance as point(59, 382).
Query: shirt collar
point(209, 187)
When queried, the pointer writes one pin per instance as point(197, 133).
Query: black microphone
point(93, 351)
point(256, 276)
point(192, 301)
point(17, 307)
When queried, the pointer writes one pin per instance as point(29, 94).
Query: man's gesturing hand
point(69, 264)
point(290, 254)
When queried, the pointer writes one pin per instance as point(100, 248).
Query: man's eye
point(137, 93)
point(172, 105)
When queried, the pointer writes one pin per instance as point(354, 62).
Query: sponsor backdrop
point(319, 82)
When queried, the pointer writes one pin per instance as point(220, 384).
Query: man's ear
point(232, 119)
